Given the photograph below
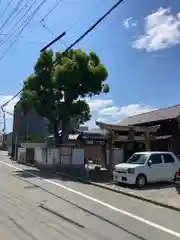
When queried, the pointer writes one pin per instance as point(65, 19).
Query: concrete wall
point(118, 156)
point(54, 156)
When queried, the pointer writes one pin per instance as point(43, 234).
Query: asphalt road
point(46, 207)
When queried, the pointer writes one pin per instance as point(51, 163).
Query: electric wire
point(25, 25)
point(78, 40)
point(6, 8)
point(11, 14)
point(15, 28)
point(18, 13)
point(51, 10)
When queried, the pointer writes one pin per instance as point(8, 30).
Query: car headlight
point(131, 170)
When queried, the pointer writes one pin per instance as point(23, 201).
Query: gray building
point(30, 126)
point(25, 126)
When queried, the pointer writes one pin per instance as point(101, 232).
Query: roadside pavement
point(163, 194)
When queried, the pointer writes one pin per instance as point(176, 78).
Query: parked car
point(147, 167)
point(177, 181)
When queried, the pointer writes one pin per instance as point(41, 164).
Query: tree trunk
point(56, 134)
point(65, 130)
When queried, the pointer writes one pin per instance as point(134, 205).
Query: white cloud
point(126, 111)
point(102, 110)
point(110, 111)
point(106, 111)
point(134, 109)
point(162, 30)
point(96, 104)
point(129, 22)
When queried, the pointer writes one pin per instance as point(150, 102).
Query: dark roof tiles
point(153, 116)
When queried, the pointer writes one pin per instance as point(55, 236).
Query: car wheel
point(141, 181)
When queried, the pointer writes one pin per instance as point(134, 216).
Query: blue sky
point(138, 43)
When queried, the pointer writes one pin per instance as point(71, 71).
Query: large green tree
point(59, 85)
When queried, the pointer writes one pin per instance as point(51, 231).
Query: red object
point(178, 173)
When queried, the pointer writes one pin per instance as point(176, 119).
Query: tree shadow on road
point(30, 173)
point(35, 173)
point(20, 174)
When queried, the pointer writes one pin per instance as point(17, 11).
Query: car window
point(168, 158)
point(137, 159)
point(156, 158)
point(178, 156)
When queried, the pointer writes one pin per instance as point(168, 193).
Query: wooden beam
point(136, 138)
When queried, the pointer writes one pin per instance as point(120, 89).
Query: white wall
point(65, 155)
point(78, 156)
point(118, 156)
point(40, 155)
point(53, 156)
point(21, 155)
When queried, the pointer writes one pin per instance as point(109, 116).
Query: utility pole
point(53, 41)
point(3, 122)
point(1, 127)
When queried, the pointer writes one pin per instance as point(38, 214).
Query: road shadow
point(31, 173)
point(25, 176)
point(148, 187)
point(72, 174)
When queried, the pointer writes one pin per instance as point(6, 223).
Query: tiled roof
point(153, 116)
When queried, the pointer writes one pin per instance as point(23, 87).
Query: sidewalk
point(164, 195)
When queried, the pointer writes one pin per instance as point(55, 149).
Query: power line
point(10, 100)
point(68, 28)
point(72, 25)
point(6, 8)
point(14, 29)
point(45, 26)
point(78, 40)
point(51, 10)
point(93, 26)
point(50, 31)
point(79, 20)
point(26, 24)
point(11, 14)
point(18, 12)
point(53, 41)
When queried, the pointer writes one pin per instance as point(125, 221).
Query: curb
point(138, 197)
point(75, 178)
point(123, 193)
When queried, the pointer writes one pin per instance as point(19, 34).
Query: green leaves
point(59, 82)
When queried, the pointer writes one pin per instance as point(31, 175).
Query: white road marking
point(131, 215)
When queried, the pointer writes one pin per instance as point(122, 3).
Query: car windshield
point(137, 159)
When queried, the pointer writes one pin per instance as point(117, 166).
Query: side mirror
point(149, 163)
